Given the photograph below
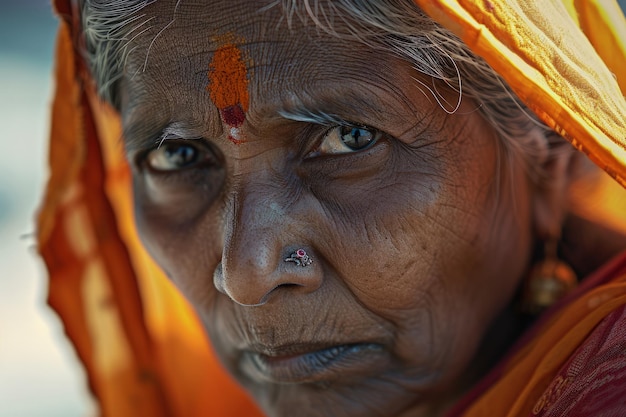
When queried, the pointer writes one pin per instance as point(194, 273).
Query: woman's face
point(250, 140)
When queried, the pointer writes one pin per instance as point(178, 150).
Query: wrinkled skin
point(416, 248)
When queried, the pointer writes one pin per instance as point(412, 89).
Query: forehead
point(289, 63)
point(279, 48)
point(264, 32)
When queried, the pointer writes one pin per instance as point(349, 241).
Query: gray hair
point(400, 26)
point(394, 25)
point(109, 29)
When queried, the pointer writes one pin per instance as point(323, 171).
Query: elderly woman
point(363, 214)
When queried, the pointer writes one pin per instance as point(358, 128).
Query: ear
point(550, 202)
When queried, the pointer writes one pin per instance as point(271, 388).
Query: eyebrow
point(140, 135)
point(304, 114)
point(331, 105)
point(344, 107)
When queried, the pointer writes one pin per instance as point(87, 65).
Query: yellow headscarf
point(144, 350)
point(566, 59)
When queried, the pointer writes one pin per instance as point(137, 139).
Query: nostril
point(250, 280)
point(286, 286)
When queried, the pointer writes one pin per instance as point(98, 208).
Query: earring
point(548, 281)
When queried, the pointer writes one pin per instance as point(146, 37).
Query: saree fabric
point(578, 347)
point(144, 350)
point(566, 59)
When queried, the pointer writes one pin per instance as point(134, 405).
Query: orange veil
point(144, 350)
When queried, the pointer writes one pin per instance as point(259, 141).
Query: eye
point(175, 155)
point(347, 139)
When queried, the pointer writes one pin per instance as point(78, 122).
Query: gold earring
point(548, 281)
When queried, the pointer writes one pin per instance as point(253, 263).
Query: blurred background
point(39, 373)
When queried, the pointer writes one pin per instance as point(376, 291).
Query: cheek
point(183, 239)
point(484, 231)
point(438, 256)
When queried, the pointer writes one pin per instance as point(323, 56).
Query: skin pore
point(416, 249)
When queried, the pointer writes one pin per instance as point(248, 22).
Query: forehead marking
point(228, 87)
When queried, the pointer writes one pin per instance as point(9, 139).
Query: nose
point(261, 240)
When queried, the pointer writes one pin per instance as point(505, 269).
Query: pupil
point(180, 155)
point(355, 137)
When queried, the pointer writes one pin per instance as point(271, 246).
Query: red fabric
point(587, 379)
point(593, 381)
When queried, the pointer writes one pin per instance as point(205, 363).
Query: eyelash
point(315, 152)
point(206, 160)
point(142, 159)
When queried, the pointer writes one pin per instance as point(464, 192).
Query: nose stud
point(300, 258)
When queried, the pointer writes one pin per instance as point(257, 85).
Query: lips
point(311, 363)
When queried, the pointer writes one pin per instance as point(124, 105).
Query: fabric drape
point(566, 59)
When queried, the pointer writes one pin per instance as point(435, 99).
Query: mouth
point(301, 364)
